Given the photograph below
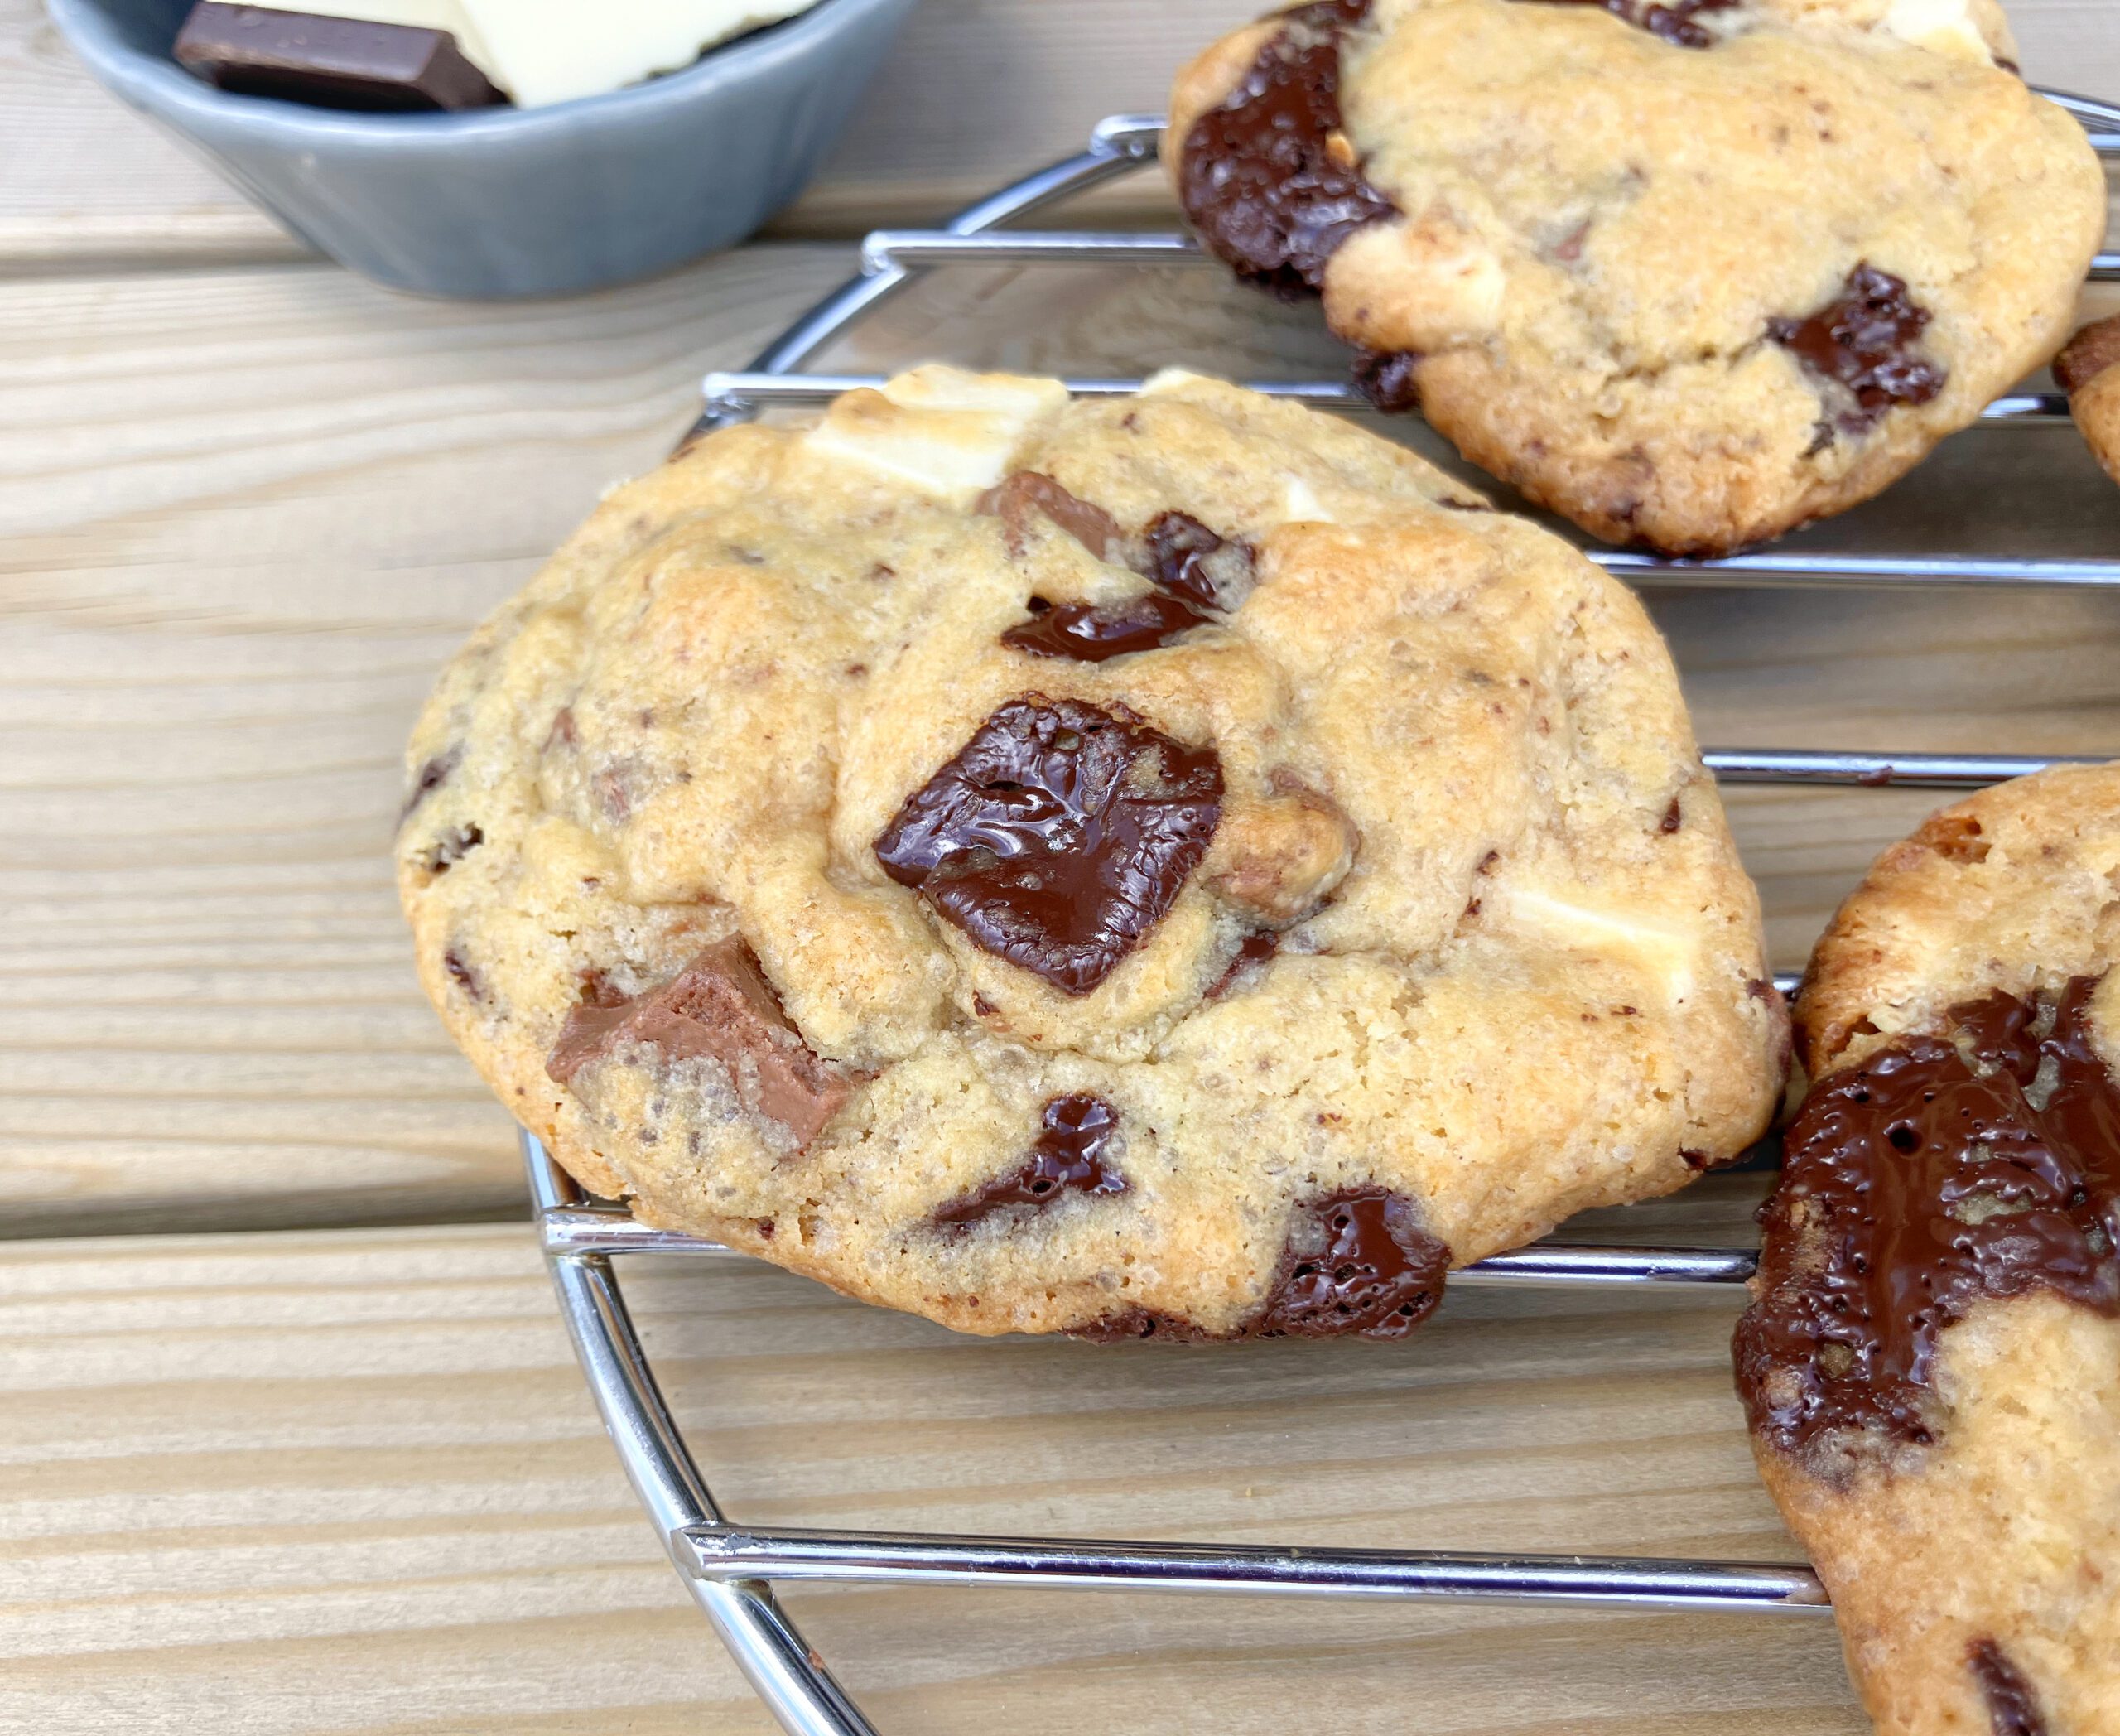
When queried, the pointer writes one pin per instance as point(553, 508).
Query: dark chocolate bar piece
point(330, 63)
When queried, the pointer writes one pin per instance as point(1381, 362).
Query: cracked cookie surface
point(1692, 274)
point(1368, 915)
point(1931, 1361)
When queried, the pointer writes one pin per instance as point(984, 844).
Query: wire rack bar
point(718, 1553)
point(755, 390)
point(920, 249)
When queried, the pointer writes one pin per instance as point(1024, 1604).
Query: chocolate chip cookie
point(2088, 370)
point(1690, 274)
point(1174, 866)
point(1931, 1363)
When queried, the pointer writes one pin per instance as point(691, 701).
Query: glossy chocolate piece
point(719, 1006)
point(1068, 1155)
point(1058, 836)
point(1263, 177)
point(1356, 1263)
point(330, 63)
point(1094, 633)
point(1189, 561)
point(1864, 340)
point(2013, 1706)
point(1940, 1171)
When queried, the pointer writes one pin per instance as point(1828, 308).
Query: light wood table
point(323, 1462)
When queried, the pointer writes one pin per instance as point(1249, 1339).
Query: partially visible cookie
point(1931, 1362)
point(2088, 370)
point(1174, 867)
point(1690, 274)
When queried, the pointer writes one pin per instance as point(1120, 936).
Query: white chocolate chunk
point(1301, 504)
point(1665, 950)
point(551, 50)
point(1944, 26)
point(945, 431)
point(447, 15)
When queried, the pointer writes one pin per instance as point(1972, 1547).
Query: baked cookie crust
point(1171, 866)
point(1690, 274)
point(1931, 1364)
point(2088, 370)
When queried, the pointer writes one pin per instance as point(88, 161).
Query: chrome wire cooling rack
point(731, 1568)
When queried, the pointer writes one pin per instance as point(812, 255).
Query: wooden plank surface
point(244, 518)
point(976, 91)
point(351, 1483)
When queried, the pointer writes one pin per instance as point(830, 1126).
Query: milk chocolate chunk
point(1863, 341)
point(1058, 836)
point(2013, 1706)
point(1017, 496)
point(1068, 1155)
point(330, 63)
point(1094, 633)
point(2088, 354)
point(1267, 178)
point(720, 1007)
point(1941, 1170)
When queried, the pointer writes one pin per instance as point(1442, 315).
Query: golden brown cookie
point(1931, 1362)
point(1173, 865)
point(2088, 370)
point(1691, 274)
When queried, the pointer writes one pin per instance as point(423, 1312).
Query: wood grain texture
point(976, 91)
point(351, 1483)
point(246, 515)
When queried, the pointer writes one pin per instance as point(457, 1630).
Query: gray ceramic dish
point(509, 202)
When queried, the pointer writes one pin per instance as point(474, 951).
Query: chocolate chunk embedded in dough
point(1068, 1155)
point(1267, 177)
point(1940, 1170)
point(1058, 836)
point(721, 1007)
point(1012, 499)
point(1863, 341)
point(2012, 1705)
point(1094, 633)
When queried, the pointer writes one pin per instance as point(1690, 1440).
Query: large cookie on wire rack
point(1931, 1364)
point(1175, 865)
point(1690, 274)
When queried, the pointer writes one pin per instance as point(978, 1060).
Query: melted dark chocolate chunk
point(2013, 1706)
point(1058, 836)
point(1864, 340)
point(1356, 1262)
point(1388, 378)
point(1256, 950)
point(1068, 1153)
point(1094, 633)
point(1941, 1170)
point(721, 1007)
point(1183, 555)
point(1027, 491)
point(1259, 177)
